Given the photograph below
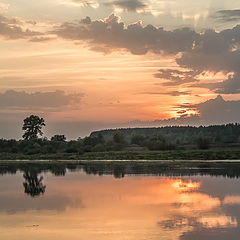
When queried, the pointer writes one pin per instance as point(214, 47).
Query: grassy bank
point(149, 155)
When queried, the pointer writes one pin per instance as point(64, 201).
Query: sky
point(85, 65)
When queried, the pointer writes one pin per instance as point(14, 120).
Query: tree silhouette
point(32, 126)
point(58, 138)
point(33, 185)
point(119, 137)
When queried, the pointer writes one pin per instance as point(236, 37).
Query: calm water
point(89, 202)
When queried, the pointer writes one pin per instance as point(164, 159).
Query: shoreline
point(121, 168)
point(116, 161)
point(208, 156)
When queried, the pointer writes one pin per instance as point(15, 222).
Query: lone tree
point(32, 126)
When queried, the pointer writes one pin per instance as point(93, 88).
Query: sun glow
point(183, 186)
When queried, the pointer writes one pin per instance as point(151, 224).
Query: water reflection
point(119, 170)
point(93, 202)
point(184, 186)
point(33, 184)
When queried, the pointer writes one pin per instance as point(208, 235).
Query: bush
point(99, 148)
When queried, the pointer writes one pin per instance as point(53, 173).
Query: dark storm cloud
point(112, 34)
point(11, 28)
point(228, 15)
point(24, 100)
point(128, 5)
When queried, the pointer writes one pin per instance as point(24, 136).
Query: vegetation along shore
point(219, 142)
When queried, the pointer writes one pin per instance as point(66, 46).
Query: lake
point(119, 201)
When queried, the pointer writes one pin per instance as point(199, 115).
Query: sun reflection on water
point(185, 186)
point(132, 208)
point(218, 221)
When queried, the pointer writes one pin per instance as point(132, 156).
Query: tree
point(138, 139)
point(118, 137)
point(32, 126)
point(58, 138)
point(118, 141)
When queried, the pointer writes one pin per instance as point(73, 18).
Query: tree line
point(132, 139)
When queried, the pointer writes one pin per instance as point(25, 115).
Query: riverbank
point(148, 155)
point(122, 168)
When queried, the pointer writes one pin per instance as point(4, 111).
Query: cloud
point(231, 200)
point(3, 7)
point(198, 53)
point(128, 5)
point(229, 86)
point(11, 28)
point(228, 15)
point(171, 93)
point(24, 100)
point(81, 3)
point(41, 39)
point(112, 34)
point(176, 77)
point(200, 233)
point(216, 111)
point(195, 53)
point(216, 52)
point(211, 112)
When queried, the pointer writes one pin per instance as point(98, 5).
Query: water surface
point(127, 202)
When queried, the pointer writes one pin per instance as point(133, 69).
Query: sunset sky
point(85, 65)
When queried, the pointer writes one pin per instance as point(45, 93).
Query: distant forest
point(229, 133)
point(219, 137)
